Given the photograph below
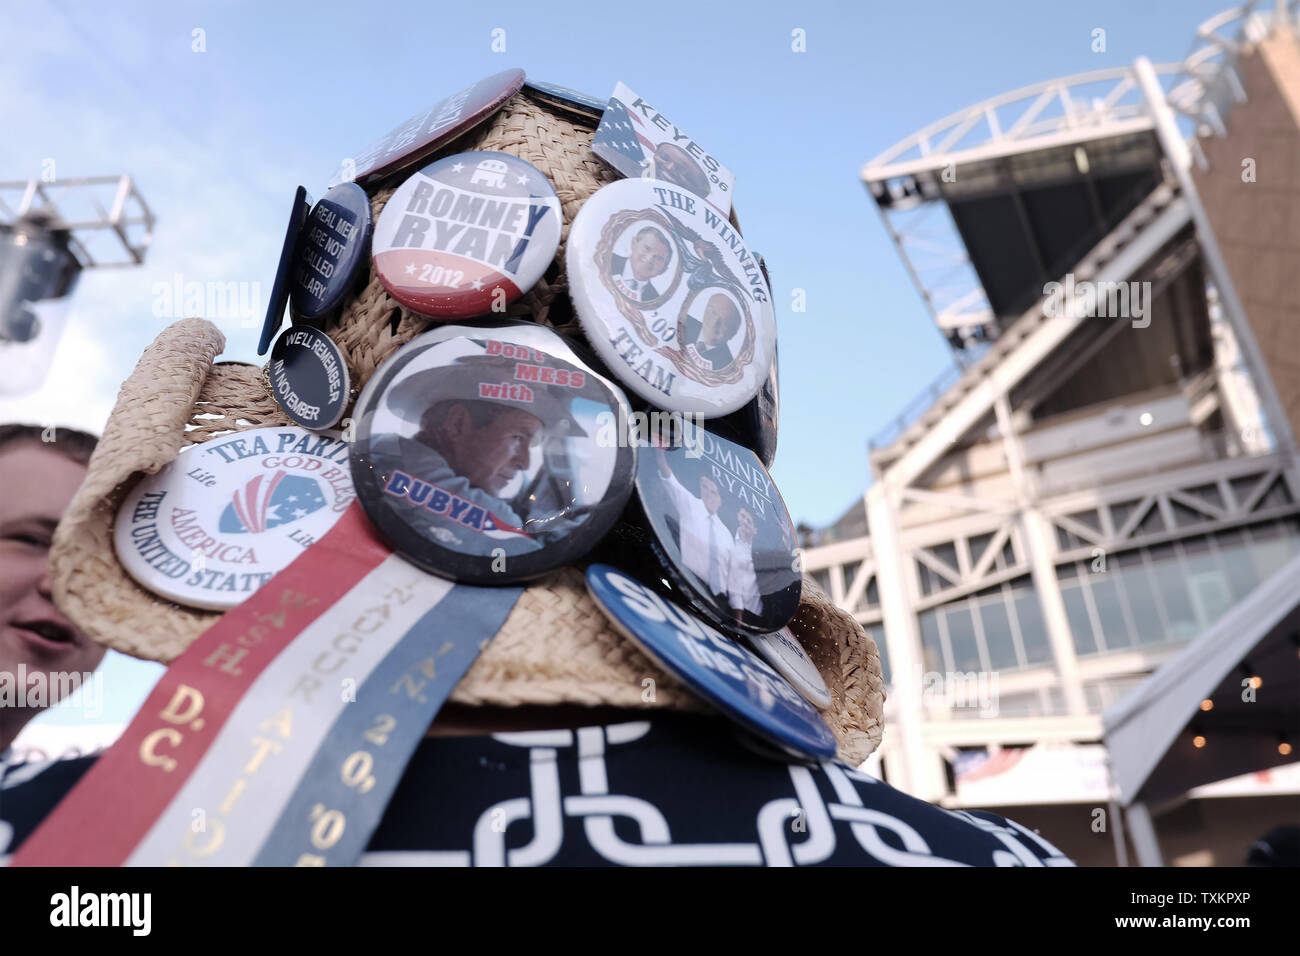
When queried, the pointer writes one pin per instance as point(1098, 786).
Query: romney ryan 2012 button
point(721, 531)
point(783, 651)
point(425, 132)
point(467, 235)
point(731, 677)
point(226, 516)
point(671, 297)
point(284, 268)
point(331, 245)
point(309, 377)
point(485, 457)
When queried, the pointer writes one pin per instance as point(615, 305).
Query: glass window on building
point(931, 643)
point(961, 638)
point(877, 633)
point(1033, 629)
point(1170, 593)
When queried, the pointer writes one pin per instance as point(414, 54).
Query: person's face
point(715, 327)
point(491, 456)
point(39, 484)
point(648, 256)
point(745, 529)
point(709, 495)
point(674, 165)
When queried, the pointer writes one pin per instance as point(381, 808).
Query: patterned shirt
point(677, 789)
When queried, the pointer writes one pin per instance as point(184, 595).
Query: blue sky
point(218, 140)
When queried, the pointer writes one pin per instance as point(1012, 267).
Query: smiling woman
point(38, 646)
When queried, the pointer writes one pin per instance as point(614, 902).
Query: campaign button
point(783, 651)
point(727, 675)
point(584, 107)
point(467, 235)
point(721, 531)
point(331, 246)
point(424, 133)
point(309, 377)
point(671, 298)
point(638, 141)
point(226, 516)
point(280, 287)
point(756, 424)
point(486, 456)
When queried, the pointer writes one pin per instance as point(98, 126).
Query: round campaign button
point(721, 532)
point(467, 235)
point(569, 101)
point(331, 246)
point(783, 651)
point(490, 456)
point(226, 516)
point(425, 132)
point(727, 675)
point(670, 297)
point(756, 424)
point(309, 377)
point(280, 286)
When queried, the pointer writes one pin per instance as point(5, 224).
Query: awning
point(1150, 732)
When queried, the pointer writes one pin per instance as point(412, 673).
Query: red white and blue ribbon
point(280, 734)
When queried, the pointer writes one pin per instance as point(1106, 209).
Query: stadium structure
point(1080, 550)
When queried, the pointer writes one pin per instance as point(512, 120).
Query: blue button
point(280, 287)
point(730, 677)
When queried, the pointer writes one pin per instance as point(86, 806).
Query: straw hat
point(556, 647)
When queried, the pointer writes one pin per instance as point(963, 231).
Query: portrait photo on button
point(723, 526)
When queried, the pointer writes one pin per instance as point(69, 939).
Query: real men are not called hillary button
point(467, 235)
point(331, 245)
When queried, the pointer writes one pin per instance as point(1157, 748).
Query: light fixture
point(1248, 672)
point(1081, 159)
point(1207, 704)
point(1198, 741)
point(1284, 749)
point(1145, 419)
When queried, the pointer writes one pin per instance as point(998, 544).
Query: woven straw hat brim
point(556, 646)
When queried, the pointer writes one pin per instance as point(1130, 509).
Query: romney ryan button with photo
point(425, 132)
point(227, 515)
point(729, 676)
point(467, 235)
point(721, 532)
point(671, 298)
point(331, 245)
point(309, 377)
point(481, 453)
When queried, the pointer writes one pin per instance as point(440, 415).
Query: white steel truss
point(88, 208)
point(1201, 89)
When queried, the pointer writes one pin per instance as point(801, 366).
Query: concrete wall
point(1258, 223)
